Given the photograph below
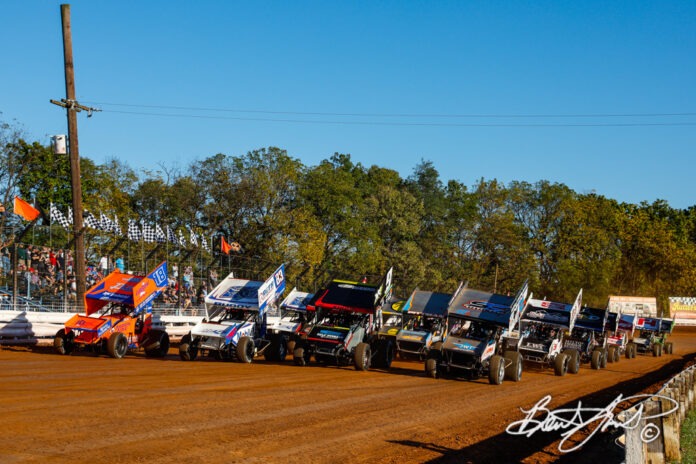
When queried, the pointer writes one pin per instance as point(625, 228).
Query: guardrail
point(653, 426)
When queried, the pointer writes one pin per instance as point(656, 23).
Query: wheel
point(669, 347)
point(386, 356)
point(617, 354)
point(300, 356)
point(117, 345)
point(611, 354)
point(627, 351)
point(63, 342)
point(290, 347)
point(362, 356)
point(431, 368)
point(277, 349)
point(596, 360)
point(513, 371)
point(157, 344)
point(603, 364)
point(573, 361)
point(560, 364)
point(496, 370)
point(245, 350)
point(188, 349)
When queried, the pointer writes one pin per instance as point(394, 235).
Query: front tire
point(362, 356)
point(573, 361)
point(188, 349)
point(431, 368)
point(157, 344)
point(245, 350)
point(300, 356)
point(496, 370)
point(514, 370)
point(63, 342)
point(117, 345)
point(560, 364)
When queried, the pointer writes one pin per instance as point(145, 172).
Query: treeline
point(343, 219)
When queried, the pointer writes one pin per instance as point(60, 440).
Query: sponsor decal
point(465, 346)
point(330, 334)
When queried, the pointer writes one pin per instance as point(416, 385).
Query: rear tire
point(362, 356)
point(560, 364)
point(300, 356)
point(604, 358)
point(611, 354)
point(617, 354)
point(596, 360)
point(245, 350)
point(496, 370)
point(514, 370)
point(386, 355)
point(160, 340)
point(117, 345)
point(63, 342)
point(656, 350)
point(669, 347)
point(188, 349)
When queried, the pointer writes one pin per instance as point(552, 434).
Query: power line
point(387, 123)
point(403, 115)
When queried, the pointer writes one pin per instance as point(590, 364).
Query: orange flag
point(24, 209)
point(226, 247)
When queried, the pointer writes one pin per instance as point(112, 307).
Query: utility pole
point(72, 107)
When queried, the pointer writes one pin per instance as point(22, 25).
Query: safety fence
point(653, 426)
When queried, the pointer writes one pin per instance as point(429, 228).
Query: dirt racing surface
point(86, 408)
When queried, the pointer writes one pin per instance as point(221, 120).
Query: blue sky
point(501, 89)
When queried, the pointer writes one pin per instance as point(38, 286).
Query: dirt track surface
point(83, 408)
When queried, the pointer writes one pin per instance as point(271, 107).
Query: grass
point(687, 439)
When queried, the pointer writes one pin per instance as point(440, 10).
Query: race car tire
point(513, 371)
point(496, 370)
point(117, 345)
point(63, 342)
point(386, 353)
point(631, 350)
point(277, 350)
point(560, 364)
point(596, 360)
point(431, 368)
point(362, 356)
point(157, 344)
point(300, 356)
point(604, 357)
point(245, 350)
point(573, 360)
point(611, 354)
point(188, 349)
point(290, 347)
point(617, 354)
point(669, 347)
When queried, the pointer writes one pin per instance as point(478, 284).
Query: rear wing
point(296, 300)
point(477, 305)
point(612, 322)
point(667, 325)
point(651, 324)
point(248, 294)
point(344, 295)
point(553, 313)
point(627, 322)
point(594, 319)
point(135, 291)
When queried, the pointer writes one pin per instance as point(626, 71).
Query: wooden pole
point(73, 149)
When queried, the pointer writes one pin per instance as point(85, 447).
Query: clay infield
point(85, 408)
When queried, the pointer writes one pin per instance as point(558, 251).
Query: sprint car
point(118, 317)
point(479, 339)
point(236, 323)
point(425, 323)
point(589, 339)
point(652, 336)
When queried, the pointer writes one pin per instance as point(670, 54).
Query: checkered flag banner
point(161, 238)
point(70, 215)
point(133, 230)
point(57, 216)
point(149, 234)
point(115, 227)
point(170, 235)
point(182, 239)
point(105, 223)
point(204, 243)
point(194, 238)
point(91, 221)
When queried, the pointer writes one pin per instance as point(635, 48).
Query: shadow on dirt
point(600, 448)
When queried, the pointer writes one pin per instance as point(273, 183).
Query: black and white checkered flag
point(149, 234)
point(194, 238)
point(115, 226)
point(204, 243)
point(133, 230)
point(161, 238)
point(57, 216)
point(91, 221)
point(170, 236)
point(70, 215)
point(182, 239)
point(105, 223)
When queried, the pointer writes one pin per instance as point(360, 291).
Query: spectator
point(120, 264)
